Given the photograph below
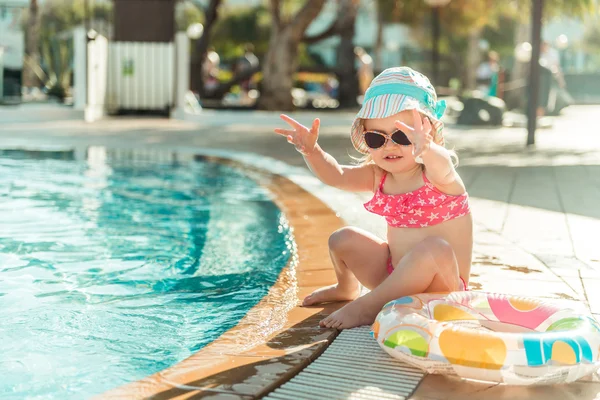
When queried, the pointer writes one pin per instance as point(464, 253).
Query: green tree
point(288, 26)
point(55, 20)
point(240, 26)
point(465, 22)
point(186, 14)
point(211, 15)
point(591, 39)
point(346, 67)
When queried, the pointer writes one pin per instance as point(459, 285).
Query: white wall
point(141, 76)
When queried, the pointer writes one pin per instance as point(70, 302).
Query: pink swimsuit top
point(423, 207)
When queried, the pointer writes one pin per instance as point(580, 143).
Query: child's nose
point(390, 142)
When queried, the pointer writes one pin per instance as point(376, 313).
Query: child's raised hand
point(419, 135)
point(303, 138)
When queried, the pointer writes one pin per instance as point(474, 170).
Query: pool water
point(111, 272)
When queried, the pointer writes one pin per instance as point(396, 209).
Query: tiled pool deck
point(536, 214)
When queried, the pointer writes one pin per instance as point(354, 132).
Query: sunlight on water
point(110, 272)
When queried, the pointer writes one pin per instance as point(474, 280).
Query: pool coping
point(285, 337)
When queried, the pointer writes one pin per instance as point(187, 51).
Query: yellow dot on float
point(445, 312)
point(523, 304)
point(473, 348)
point(563, 353)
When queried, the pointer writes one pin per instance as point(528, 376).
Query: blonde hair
point(366, 159)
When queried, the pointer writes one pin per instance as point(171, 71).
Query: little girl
point(416, 188)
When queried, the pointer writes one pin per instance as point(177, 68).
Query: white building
point(12, 45)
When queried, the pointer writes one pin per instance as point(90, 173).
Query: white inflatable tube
point(490, 337)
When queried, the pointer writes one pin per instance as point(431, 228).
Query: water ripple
point(109, 273)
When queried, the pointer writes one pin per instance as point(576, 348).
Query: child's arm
point(329, 171)
point(322, 164)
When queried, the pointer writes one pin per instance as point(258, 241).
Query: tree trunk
point(348, 90)
point(30, 79)
point(281, 60)
point(473, 59)
point(280, 65)
point(201, 48)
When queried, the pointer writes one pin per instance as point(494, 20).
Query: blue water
point(109, 273)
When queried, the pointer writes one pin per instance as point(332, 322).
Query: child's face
point(392, 157)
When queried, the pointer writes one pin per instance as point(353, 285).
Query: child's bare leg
point(358, 257)
point(429, 267)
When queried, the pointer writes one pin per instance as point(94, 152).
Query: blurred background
point(123, 56)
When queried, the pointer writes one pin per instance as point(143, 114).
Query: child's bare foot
point(331, 293)
point(357, 313)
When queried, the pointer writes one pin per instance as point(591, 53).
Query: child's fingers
point(315, 126)
point(408, 131)
point(405, 128)
point(283, 132)
point(427, 125)
point(411, 136)
point(292, 121)
point(417, 119)
point(290, 139)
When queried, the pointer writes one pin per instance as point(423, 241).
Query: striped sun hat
point(394, 90)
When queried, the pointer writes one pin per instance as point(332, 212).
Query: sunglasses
point(376, 139)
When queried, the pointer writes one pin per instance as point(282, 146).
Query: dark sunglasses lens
point(374, 140)
point(400, 138)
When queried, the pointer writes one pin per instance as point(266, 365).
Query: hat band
point(416, 92)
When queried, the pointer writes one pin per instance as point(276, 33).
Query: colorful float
point(490, 337)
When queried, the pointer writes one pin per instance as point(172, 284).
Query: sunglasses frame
point(387, 137)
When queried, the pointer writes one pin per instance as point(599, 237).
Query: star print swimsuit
point(425, 206)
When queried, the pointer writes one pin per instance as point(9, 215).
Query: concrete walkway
point(537, 211)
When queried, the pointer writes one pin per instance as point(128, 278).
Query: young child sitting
point(416, 189)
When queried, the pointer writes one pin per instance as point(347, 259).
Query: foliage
point(56, 20)
point(591, 40)
point(555, 8)
point(187, 13)
point(409, 12)
point(237, 27)
point(501, 36)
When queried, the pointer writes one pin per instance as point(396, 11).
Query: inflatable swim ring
point(490, 337)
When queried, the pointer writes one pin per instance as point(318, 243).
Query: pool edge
point(218, 369)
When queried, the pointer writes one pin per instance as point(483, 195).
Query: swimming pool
point(112, 271)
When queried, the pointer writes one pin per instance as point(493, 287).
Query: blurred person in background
point(246, 63)
point(210, 70)
point(553, 89)
point(490, 75)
